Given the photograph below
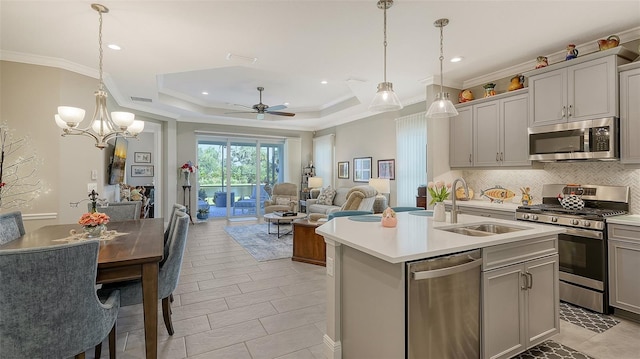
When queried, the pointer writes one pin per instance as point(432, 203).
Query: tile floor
point(228, 305)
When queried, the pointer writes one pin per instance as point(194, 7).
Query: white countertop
point(629, 219)
point(418, 237)
point(476, 203)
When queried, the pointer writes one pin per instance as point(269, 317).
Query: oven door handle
point(585, 233)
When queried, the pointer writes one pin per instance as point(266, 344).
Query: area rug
point(261, 245)
point(587, 319)
point(552, 350)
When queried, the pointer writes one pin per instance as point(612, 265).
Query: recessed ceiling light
point(324, 82)
point(113, 47)
point(456, 59)
point(205, 93)
point(286, 104)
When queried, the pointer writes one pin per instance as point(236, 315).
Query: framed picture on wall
point(141, 171)
point(361, 169)
point(387, 169)
point(142, 157)
point(343, 169)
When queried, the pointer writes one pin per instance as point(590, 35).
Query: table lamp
point(382, 185)
point(315, 182)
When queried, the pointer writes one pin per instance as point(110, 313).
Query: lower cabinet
point(520, 303)
point(624, 261)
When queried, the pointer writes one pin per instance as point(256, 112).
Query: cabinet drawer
point(506, 254)
point(624, 233)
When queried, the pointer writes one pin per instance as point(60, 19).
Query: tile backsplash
point(598, 173)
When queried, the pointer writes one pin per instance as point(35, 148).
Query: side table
point(308, 246)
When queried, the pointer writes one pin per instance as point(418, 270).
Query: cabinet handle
point(497, 157)
point(524, 280)
point(570, 108)
point(470, 160)
point(564, 108)
point(530, 280)
point(501, 156)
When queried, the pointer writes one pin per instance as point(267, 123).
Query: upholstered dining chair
point(168, 274)
point(49, 304)
point(11, 226)
point(120, 211)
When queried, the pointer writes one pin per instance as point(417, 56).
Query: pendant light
point(102, 127)
point(385, 99)
point(442, 106)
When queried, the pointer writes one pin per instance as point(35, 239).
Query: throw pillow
point(282, 201)
point(326, 196)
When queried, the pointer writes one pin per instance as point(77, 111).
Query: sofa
point(362, 197)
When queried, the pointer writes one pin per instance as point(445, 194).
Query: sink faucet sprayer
point(454, 206)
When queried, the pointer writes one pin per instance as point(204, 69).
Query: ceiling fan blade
point(236, 104)
point(276, 108)
point(289, 114)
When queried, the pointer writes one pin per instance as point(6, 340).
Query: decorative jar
point(439, 214)
point(187, 176)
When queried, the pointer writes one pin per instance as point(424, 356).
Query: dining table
point(132, 252)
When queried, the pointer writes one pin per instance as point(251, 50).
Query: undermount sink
point(483, 229)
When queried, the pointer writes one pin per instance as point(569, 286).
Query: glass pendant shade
point(385, 99)
point(71, 115)
point(442, 107)
point(136, 127)
point(122, 119)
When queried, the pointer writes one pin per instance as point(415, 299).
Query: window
point(411, 148)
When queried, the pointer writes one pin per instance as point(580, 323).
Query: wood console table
point(308, 246)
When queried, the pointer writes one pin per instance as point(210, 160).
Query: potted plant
point(203, 213)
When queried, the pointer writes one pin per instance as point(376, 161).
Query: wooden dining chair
point(168, 274)
point(120, 211)
point(11, 226)
point(48, 302)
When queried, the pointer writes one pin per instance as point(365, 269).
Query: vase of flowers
point(94, 223)
point(438, 192)
point(187, 169)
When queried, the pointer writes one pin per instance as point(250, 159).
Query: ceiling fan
point(262, 109)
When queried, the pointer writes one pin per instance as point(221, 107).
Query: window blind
point(411, 163)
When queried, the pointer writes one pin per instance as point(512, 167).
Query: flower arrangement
point(189, 167)
point(438, 191)
point(93, 219)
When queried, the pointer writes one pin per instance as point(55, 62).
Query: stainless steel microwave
point(580, 140)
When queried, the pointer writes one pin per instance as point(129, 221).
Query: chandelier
point(385, 99)
point(102, 127)
point(441, 106)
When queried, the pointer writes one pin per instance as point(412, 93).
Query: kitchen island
point(366, 274)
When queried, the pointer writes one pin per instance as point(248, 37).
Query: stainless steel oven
point(583, 247)
point(583, 268)
point(580, 140)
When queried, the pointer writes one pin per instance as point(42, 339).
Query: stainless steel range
point(583, 247)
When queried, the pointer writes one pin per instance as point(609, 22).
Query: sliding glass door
point(236, 174)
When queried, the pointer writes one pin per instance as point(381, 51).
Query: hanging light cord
point(441, 59)
point(385, 40)
point(101, 85)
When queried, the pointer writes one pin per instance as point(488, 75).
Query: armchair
point(48, 302)
point(284, 198)
point(11, 226)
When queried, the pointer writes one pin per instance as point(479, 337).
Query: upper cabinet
point(491, 132)
point(579, 89)
point(461, 138)
point(630, 114)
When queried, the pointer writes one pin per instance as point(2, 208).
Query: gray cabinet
point(576, 90)
point(461, 138)
point(500, 132)
point(491, 133)
point(630, 116)
point(624, 261)
point(520, 297)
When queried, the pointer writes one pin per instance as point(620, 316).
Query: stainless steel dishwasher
point(443, 307)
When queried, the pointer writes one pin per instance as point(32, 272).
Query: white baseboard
point(332, 350)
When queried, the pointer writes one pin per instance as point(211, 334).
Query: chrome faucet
point(454, 206)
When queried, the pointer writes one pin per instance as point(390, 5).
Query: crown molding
point(49, 62)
